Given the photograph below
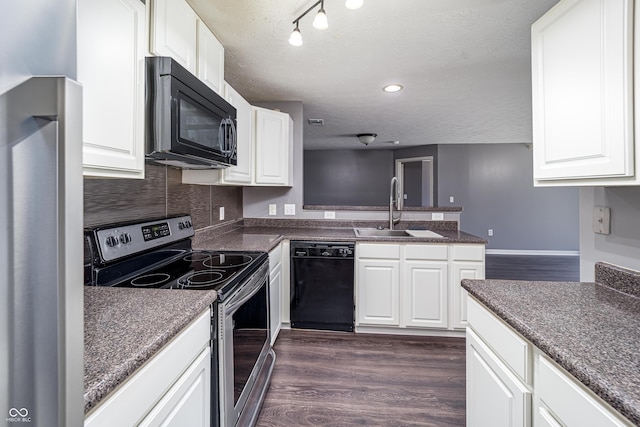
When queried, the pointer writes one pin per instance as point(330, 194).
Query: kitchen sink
point(375, 232)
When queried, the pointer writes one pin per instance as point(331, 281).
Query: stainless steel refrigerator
point(41, 282)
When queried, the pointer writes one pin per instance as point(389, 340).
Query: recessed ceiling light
point(392, 88)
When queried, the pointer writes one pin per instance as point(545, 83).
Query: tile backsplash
point(161, 193)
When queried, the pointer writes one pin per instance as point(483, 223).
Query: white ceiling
point(464, 64)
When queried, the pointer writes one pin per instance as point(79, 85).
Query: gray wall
point(493, 182)
point(347, 177)
point(38, 38)
point(412, 183)
point(622, 246)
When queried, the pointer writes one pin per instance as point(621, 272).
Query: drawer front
point(569, 401)
point(467, 252)
point(514, 350)
point(426, 252)
point(376, 250)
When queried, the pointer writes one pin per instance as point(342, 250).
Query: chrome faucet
point(392, 219)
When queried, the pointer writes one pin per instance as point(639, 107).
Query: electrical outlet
point(289, 209)
point(273, 209)
point(490, 232)
point(451, 199)
point(405, 197)
point(329, 215)
point(437, 216)
point(601, 220)
point(221, 213)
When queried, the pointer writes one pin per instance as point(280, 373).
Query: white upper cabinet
point(111, 51)
point(210, 59)
point(174, 31)
point(240, 173)
point(273, 147)
point(582, 79)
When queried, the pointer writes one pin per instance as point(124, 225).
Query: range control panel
point(124, 240)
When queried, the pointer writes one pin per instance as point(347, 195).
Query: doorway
point(415, 181)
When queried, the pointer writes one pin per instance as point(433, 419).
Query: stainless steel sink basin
point(374, 232)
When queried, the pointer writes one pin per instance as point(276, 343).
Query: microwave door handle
point(222, 136)
point(233, 139)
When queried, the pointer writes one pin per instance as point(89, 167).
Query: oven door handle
point(244, 295)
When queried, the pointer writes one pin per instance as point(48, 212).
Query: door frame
point(400, 175)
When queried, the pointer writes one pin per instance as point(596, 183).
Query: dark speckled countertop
point(592, 330)
point(123, 328)
point(266, 238)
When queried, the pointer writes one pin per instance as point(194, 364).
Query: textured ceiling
point(464, 64)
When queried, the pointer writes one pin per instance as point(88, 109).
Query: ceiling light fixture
point(354, 4)
point(367, 138)
point(295, 39)
point(392, 88)
point(320, 21)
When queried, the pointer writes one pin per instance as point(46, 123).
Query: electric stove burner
point(197, 257)
point(152, 279)
point(227, 261)
point(202, 278)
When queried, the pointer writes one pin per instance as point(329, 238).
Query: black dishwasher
point(322, 285)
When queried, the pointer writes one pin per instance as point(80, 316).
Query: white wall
point(622, 246)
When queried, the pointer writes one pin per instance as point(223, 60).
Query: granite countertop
point(261, 238)
point(591, 329)
point(123, 328)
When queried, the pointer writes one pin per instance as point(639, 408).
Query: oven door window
point(250, 332)
point(198, 126)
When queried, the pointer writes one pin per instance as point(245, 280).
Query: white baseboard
point(530, 252)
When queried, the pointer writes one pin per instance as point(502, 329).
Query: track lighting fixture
point(320, 21)
point(295, 39)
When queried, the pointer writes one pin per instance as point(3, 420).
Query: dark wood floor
point(520, 267)
point(342, 379)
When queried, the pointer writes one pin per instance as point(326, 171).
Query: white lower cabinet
point(495, 397)
point(188, 402)
point(172, 389)
point(414, 285)
point(378, 292)
point(510, 382)
point(275, 291)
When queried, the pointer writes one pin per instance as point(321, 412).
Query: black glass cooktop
point(184, 270)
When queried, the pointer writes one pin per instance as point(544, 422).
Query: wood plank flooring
point(341, 379)
point(525, 267)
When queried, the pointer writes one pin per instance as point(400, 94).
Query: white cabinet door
point(111, 51)
point(378, 292)
point(570, 402)
point(210, 59)
point(495, 397)
point(242, 172)
point(174, 32)
point(459, 271)
point(275, 291)
point(583, 91)
point(188, 402)
point(425, 293)
point(272, 147)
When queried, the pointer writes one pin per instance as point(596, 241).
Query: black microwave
point(188, 125)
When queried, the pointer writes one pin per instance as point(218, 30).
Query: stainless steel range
point(157, 254)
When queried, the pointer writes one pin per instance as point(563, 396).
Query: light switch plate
point(451, 199)
point(437, 216)
point(329, 215)
point(273, 209)
point(221, 213)
point(601, 220)
point(289, 209)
